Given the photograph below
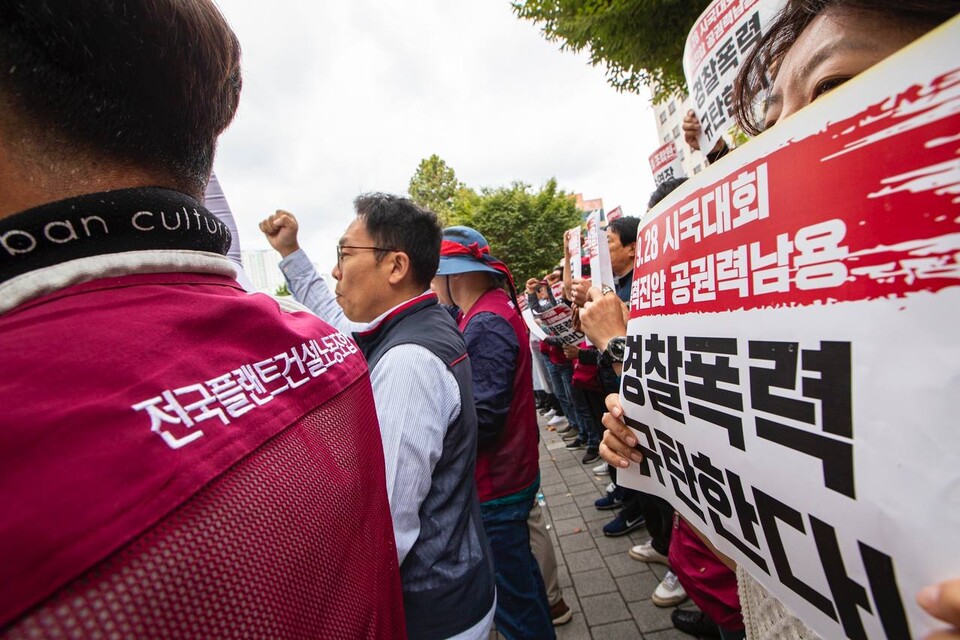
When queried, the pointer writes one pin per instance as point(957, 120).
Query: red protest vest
point(511, 464)
point(181, 459)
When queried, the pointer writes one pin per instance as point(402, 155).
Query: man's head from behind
point(387, 255)
point(96, 92)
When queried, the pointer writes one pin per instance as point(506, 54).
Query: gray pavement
point(608, 591)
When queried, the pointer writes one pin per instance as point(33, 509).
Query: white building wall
point(263, 269)
point(669, 116)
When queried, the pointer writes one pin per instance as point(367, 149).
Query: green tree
point(282, 290)
point(434, 185)
point(640, 41)
point(524, 228)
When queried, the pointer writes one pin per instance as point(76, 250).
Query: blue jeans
point(522, 609)
point(561, 379)
point(589, 423)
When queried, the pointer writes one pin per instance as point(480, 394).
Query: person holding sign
point(507, 473)
point(812, 48)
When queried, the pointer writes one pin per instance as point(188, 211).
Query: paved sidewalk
point(608, 591)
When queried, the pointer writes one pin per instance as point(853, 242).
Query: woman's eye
point(825, 86)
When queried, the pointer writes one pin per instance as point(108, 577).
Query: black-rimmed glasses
point(348, 246)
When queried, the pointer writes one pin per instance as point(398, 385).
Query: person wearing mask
point(508, 474)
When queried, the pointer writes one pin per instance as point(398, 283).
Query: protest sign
point(720, 39)
point(558, 321)
point(535, 329)
point(614, 213)
point(601, 271)
point(793, 362)
point(665, 163)
point(573, 246)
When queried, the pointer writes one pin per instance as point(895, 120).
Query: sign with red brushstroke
point(665, 164)
point(793, 362)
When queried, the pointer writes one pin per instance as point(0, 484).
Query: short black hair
point(625, 228)
point(399, 224)
point(149, 83)
point(664, 189)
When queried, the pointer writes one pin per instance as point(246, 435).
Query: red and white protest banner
point(574, 244)
point(793, 363)
point(601, 270)
point(558, 321)
point(665, 164)
point(720, 39)
point(613, 214)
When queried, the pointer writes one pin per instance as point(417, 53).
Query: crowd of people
point(183, 458)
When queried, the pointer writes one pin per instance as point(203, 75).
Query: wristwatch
point(615, 349)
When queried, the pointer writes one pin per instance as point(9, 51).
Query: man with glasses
point(422, 388)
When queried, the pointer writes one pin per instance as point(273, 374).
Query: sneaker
point(696, 623)
point(646, 553)
point(591, 456)
point(566, 429)
point(669, 592)
point(621, 525)
point(612, 500)
point(572, 434)
point(575, 444)
point(549, 414)
point(560, 613)
point(601, 470)
point(556, 420)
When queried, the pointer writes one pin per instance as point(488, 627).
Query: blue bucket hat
point(464, 250)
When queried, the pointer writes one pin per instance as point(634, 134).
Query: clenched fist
point(281, 232)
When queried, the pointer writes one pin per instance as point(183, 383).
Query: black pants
point(659, 516)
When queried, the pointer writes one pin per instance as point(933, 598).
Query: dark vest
point(447, 577)
point(511, 464)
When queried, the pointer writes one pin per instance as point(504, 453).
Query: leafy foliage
point(640, 41)
point(524, 227)
point(435, 187)
point(282, 290)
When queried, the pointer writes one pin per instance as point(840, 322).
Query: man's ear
point(633, 249)
point(399, 267)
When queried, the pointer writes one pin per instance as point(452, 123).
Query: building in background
point(263, 269)
point(669, 115)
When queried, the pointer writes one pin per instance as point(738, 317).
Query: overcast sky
point(345, 97)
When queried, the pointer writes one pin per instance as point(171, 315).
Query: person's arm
point(533, 302)
point(216, 203)
point(567, 276)
point(691, 132)
point(306, 285)
point(414, 411)
point(493, 348)
point(603, 318)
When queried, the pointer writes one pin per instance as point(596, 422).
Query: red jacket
point(510, 465)
point(181, 459)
